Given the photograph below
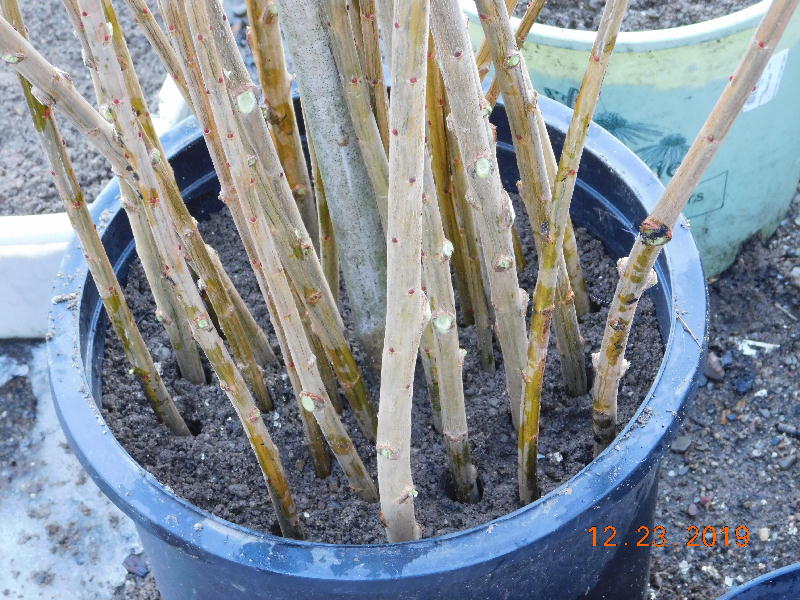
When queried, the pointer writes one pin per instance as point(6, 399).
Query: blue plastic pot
point(542, 551)
point(783, 584)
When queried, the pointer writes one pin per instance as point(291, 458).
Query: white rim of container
point(641, 41)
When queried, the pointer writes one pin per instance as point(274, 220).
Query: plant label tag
point(769, 82)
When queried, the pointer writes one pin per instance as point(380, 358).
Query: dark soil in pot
point(216, 470)
point(640, 16)
point(27, 184)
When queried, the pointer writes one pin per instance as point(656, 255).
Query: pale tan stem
point(134, 146)
point(572, 257)
point(636, 271)
point(495, 215)
point(483, 56)
point(436, 108)
point(74, 14)
point(469, 233)
point(328, 251)
point(429, 358)
point(449, 357)
point(407, 310)
point(385, 10)
point(317, 449)
point(185, 49)
point(264, 36)
point(373, 69)
point(245, 139)
point(532, 147)
point(356, 93)
point(200, 15)
point(577, 281)
point(544, 295)
point(197, 100)
point(178, 331)
point(160, 44)
point(212, 278)
point(528, 19)
point(259, 342)
point(108, 288)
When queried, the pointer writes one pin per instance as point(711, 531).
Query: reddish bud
point(394, 240)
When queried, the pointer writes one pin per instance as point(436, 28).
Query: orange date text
point(657, 537)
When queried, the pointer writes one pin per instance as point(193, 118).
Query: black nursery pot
point(783, 584)
point(542, 551)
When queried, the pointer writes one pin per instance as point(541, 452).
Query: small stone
point(712, 572)
point(787, 462)
point(684, 567)
point(683, 470)
point(692, 510)
point(764, 534)
point(794, 276)
point(787, 429)
point(135, 565)
point(681, 444)
point(727, 359)
point(744, 383)
point(713, 368)
point(756, 453)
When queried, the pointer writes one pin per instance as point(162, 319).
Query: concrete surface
point(60, 538)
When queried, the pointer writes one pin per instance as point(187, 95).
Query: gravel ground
point(740, 467)
point(27, 185)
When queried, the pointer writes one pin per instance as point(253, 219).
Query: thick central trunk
point(351, 200)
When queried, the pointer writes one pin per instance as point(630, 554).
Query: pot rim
point(792, 571)
point(155, 506)
point(642, 41)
